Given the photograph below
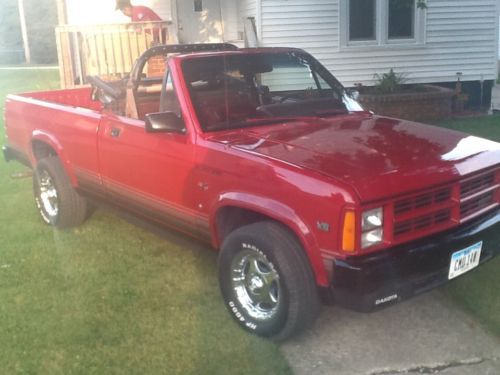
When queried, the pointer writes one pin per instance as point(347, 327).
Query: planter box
point(430, 104)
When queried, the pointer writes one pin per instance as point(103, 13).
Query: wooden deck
point(108, 51)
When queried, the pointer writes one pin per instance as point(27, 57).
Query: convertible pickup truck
point(266, 156)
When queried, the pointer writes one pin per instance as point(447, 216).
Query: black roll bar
point(174, 48)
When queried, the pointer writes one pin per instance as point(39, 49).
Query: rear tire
point(267, 282)
point(59, 204)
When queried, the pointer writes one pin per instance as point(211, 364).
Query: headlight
point(372, 237)
point(372, 227)
point(372, 219)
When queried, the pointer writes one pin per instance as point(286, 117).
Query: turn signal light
point(349, 232)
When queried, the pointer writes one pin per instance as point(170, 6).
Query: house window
point(401, 19)
point(198, 5)
point(362, 20)
point(381, 22)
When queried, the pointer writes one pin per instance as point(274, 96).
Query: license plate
point(465, 260)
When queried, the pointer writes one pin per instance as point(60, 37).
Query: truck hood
point(379, 157)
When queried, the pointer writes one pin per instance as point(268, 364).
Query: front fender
point(50, 140)
point(280, 213)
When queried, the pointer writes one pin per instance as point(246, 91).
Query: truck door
point(149, 173)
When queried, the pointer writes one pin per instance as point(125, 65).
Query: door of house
point(200, 21)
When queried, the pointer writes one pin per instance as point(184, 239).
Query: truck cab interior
point(227, 90)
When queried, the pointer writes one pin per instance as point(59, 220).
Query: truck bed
point(37, 116)
point(78, 97)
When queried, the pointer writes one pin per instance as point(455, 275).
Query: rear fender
point(279, 212)
point(50, 140)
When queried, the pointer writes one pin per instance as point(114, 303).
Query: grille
point(477, 194)
point(422, 222)
point(477, 184)
point(422, 212)
point(421, 201)
point(474, 205)
point(440, 209)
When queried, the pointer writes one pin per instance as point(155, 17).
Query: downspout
point(258, 21)
point(175, 22)
point(222, 26)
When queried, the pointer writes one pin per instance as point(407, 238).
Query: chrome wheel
point(58, 203)
point(47, 197)
point(266, 281)
point(256, 284)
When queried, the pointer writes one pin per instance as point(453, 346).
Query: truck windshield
point(240, 90)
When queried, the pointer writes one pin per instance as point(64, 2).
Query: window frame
point(172, 94)
point(382, 28)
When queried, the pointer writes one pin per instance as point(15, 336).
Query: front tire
point(267, 282)
point(58, 203)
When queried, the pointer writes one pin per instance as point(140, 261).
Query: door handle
point(115, 132)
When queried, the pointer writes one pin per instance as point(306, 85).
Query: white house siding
point(229, 14)
point(93, 12)
point(498, 44)
point(246, 8)
point(459, 36)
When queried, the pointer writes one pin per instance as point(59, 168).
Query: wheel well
point(42, 150)
point(229, 219)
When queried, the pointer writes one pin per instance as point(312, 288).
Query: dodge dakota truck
point(266, 156)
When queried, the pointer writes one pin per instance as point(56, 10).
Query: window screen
point(401, 19)
point(198, 5)
point(361, 20)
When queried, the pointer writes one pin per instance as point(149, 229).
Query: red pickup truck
point(264, 154)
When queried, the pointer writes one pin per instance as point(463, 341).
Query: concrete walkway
point(427, 334)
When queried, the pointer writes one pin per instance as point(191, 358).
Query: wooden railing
point(108, 51)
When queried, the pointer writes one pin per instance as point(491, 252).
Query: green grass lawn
point(109, 297)
point(478, 291)
point(487, 126)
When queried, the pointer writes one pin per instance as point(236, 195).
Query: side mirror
point(350, 100)
point(353, 93)
point(165, 122)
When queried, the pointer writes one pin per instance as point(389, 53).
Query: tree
point(24, 32)
point(422, 4)
point(11, 43)
point(41, 19)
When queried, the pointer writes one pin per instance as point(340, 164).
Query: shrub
point(388, 83)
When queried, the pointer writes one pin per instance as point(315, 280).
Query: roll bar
point(135, 74)
point(174, 48)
